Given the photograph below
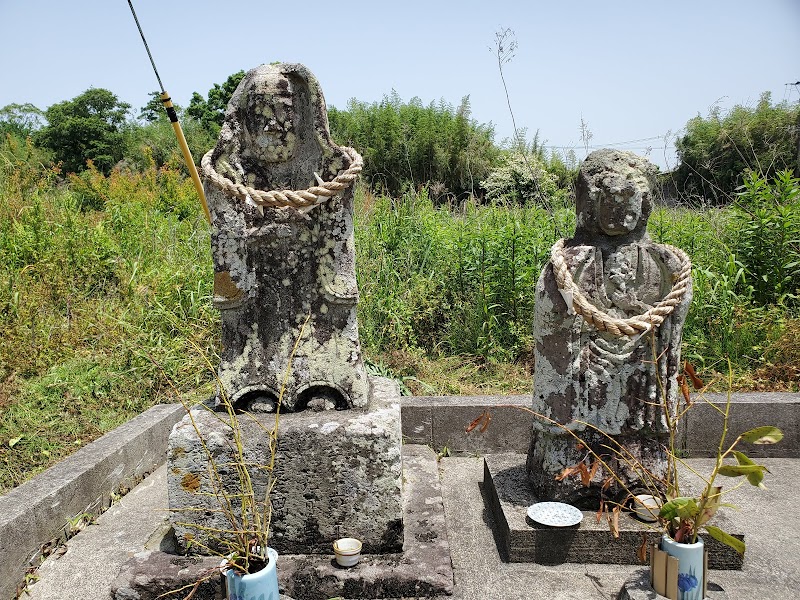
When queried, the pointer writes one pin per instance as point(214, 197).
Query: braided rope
point(632, 326)
point(311, 197)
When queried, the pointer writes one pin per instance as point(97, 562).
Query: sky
point(634, 72)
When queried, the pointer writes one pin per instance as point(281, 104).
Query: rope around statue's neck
point(632, 326)
point(299, 199)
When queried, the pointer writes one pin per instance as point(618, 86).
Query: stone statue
point(280, 192)
point(610, 308)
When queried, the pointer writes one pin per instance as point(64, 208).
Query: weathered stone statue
point(280, 195)
point(610, 308)
point(281, 200)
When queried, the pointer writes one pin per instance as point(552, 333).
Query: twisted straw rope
point(632, 326)
point(313, 196)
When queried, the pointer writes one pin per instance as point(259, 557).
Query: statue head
point(268, 117)
point(276, 128)
point(614, 195)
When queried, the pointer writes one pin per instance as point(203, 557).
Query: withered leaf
point(689, 369)
point(641, 553)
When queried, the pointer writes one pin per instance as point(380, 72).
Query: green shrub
point(451, 280)
point(765, 237)
point(716, 152)
point(408, 145)
point(102, 312)
point(521, 178)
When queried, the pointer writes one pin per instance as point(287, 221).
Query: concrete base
point(36, 515)
point(637, 587)
point(439, 422)
point(522, 540)
point(337, 474)
point(422, 569)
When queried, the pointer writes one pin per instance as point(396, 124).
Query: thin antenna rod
point(176, 126)
point(146, 47)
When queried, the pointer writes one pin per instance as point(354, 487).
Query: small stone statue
point(280, 192)
point(610, 308)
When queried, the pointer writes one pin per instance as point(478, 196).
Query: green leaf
point(755, 478)
point(682, 508)
point(763, 435)
point(14, 441)
point(757, 471)
point(711, 505)
point(726, 538)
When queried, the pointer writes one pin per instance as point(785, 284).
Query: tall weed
point(90, 302)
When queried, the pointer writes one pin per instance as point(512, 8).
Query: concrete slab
point(748, 410)
point(38, 512)
point(440, 421)
point(637, 587)
point(94, 557)
point(771, 568)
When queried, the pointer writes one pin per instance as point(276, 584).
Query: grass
point(105, 296)
point(94, 304)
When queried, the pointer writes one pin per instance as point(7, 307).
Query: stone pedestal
point(338, 474)
point(423, 569)
point(520, 539)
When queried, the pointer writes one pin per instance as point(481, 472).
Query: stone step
point(508, 496)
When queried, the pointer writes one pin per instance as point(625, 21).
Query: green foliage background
point(105, 270)
point(716, 152)
point(406, 145)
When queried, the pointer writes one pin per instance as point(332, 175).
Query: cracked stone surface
point(336, 474)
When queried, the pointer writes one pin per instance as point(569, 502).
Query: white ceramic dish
point(555, 514)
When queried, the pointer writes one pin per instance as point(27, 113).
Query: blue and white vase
point(262, 585)
point(690, 567)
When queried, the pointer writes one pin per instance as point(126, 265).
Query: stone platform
point(337, 474)
point(521, 540)
point(422, 569)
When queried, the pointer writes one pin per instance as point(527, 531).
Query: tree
point(211, 112)
point(88, 127)
point(716, 152)
point(21, 120)
point(154, 109)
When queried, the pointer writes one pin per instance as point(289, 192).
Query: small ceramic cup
point(646, 507)
point(348, 551)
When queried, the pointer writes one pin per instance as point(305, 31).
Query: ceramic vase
point(262, 585)
point(690, 567)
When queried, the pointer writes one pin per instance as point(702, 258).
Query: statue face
point(269, 124)
point(618, 202)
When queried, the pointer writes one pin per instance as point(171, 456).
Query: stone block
point(423, 569)
point(441, 421)
point(508, 496)
point(748, 410)
point(337, 475)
